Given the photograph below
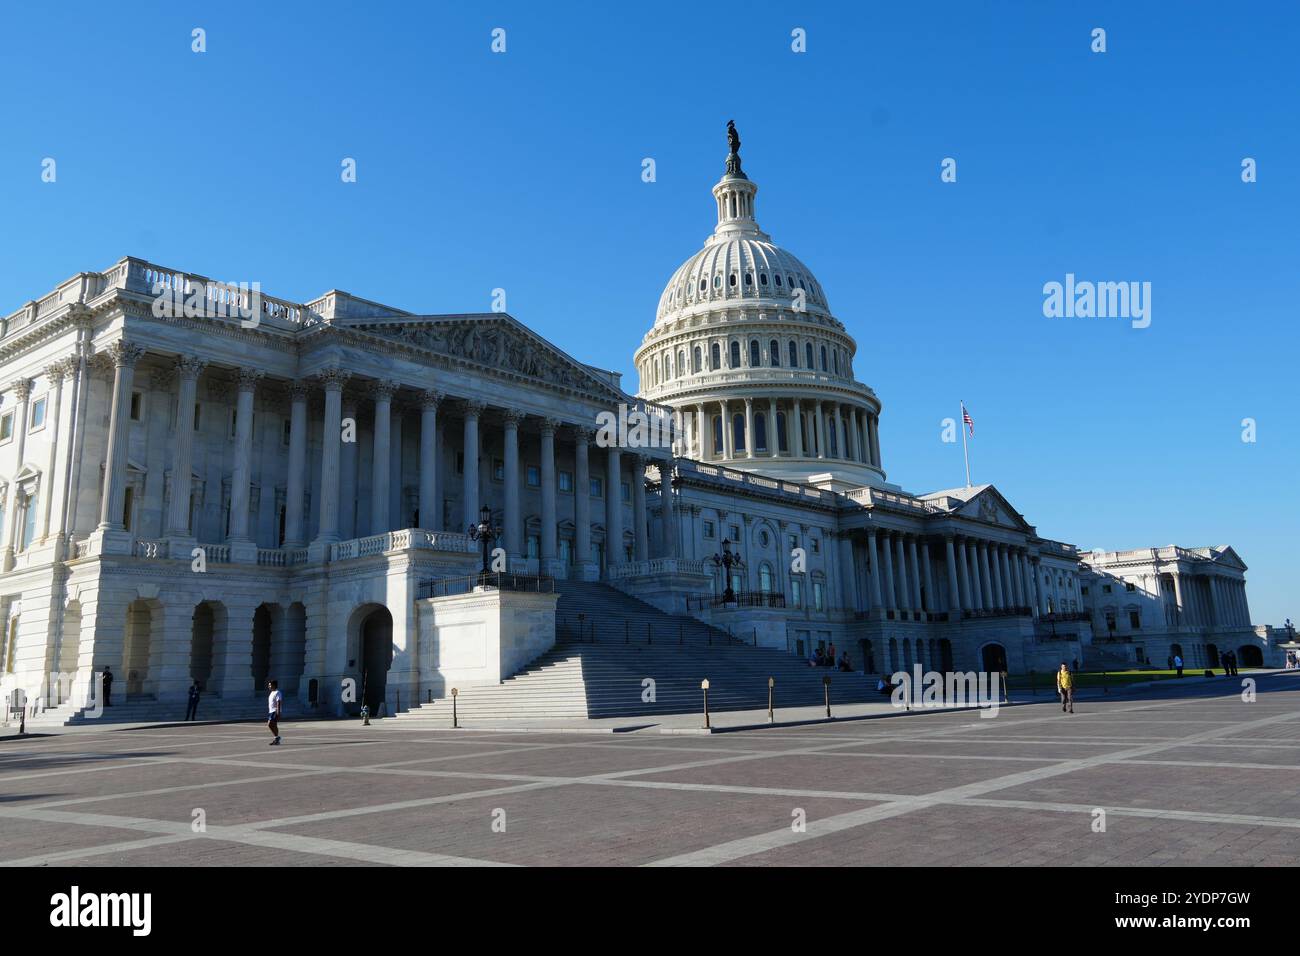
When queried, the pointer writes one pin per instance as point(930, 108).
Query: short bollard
point(826, 685)
point(771, 685)
point(365, 715)
point(454, 719)
point(704, 686)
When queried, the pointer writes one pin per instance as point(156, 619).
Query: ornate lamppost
point(728, 560)
point(486, 533)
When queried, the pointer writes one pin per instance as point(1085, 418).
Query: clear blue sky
point(522, 171)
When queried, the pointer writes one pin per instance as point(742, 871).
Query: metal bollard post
point(455, 722)
point(771, 685)
point(826, 683)
point(704, 686)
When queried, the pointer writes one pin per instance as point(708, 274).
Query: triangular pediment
point(493, 341)
point(1226, 556)
point(988, 505)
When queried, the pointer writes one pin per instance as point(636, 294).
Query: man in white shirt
point(274, 702)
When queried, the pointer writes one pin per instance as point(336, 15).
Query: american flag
point(966, 420)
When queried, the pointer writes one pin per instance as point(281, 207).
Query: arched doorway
point(868, 656)
point(262, 626)
point(202, 631)
point(1212, 655)
point(1176, 650)
point(137, 649)
point(1250, 656)
point(376, 656)
point(994, 657)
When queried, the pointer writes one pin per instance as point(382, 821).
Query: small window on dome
point(704, 285)
point(794, 354)
point(731, 280)
point(717, 282)
point(749, 278)
point(790, 281)
point(778, 279)
point(762, 278)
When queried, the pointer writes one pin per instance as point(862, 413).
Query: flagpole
point(965, 453)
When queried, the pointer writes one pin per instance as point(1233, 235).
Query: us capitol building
point(207, 495)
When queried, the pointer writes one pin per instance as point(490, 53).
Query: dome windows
point(735, 355)
point(715, 354)
point(717, 282)
point(777, 277)
point(774, 353)
point(794, 354)
point(749, 279)
point(695, 359)
point(755, 358)
point(825, 368)
point(731, 280)
point(762, 278)
point(808, 355)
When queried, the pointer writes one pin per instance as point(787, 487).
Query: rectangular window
point(29, 522)
point(794, 541)
point(38, 415)
point(708, 530)
point(1130, 586)
point(1135, 620)
point(819, 596)
point(566, 482)
point(137, 406)
point(1106, 588)
point(534, 476)
point(498, 469)
point(735, 532)
point(6, 426)
point(534, 546)
point(566, 551)
point(796, 592)
point(597, 488)
point(816, 545)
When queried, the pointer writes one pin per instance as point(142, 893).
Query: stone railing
point(402, 540)
point(281, 557)
point(216, 553)
point(686, 467)
point(656, 566)
point(144, 548)
point(876, 497)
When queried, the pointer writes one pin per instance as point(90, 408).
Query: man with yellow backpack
point(1065, 688)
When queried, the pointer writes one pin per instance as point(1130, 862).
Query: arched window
point(731, 280)
point(774, 353)
point(681, 362)
point(755, 358)
point(765, 578)
point(738, 433)
point(695, 357)
point(760, 432)
point(796, 592)
point(778, 278)
point(781, 442)
point(704, 285)
point(762, 278)
point(808, 354)
point(794, 354)
point(717, 282)
point(824, 366)
point(716, 356)
point(735, 355)
point(833, 434)
point(836, 358)
point(749, 279)
point(717, 435)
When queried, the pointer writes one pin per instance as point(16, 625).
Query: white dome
point(741, 270)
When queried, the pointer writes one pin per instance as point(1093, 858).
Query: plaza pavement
point(1186, 773)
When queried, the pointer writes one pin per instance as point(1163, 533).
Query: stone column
point(795, 424)
point(841, 435)
point(61, 473)
point(749, 428)
point(640, 546)
point(995, 576)
point(514, 519)
point(54, 429)
point(821, 431)
point(549, 545)
point(295, 482)
point(581, 501)
point(773, 437)
point(930, 603)
point(986, 575)
point(77, 442)
point(873, 427)
point(382, 455)
point(728, 434)
point(873, 571)
point(430, 506)
point(702, 435)
point(976, 586)
point(469, 494)
point(668, 511)
point(395, 504)
point(124, 356)
point(954, 589)
point(613, 508)
point(332, 380)
point(349, 465)
point(242, 546)
point(891, 593)
point(904, 598)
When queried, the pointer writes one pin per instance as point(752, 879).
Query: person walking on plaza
point(1178, 664)
point(108, 686)
point(274, 704)
point(1065, 687)
point(192, 709)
